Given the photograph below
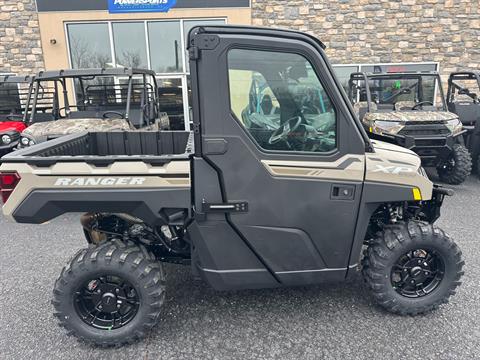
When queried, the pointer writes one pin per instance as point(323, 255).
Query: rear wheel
point(457, 167)
point(110, 294)
point(412, 268)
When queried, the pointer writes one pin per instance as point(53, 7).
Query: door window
point(279, 100)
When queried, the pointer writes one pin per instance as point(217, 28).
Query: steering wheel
point(285, 130)
point(421, 103)
point(13, 117)
point(117, 115)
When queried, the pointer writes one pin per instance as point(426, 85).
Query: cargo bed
point(104, 148)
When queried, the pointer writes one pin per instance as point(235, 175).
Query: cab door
point(275, 128)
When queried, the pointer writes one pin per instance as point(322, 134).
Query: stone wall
point(20, 48)
point(373, 31)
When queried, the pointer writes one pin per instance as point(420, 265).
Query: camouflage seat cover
point(50, 129)
point(404, 105)
point(463, 98)
point(363, 105)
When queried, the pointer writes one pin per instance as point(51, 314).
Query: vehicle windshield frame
point(368, 77)
point(77, 77)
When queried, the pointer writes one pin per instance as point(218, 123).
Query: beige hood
point(396, 165)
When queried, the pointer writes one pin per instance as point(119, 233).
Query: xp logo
point(396, 170)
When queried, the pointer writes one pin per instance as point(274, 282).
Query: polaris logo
point(102, 181)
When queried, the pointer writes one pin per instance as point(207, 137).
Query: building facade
point(366, 35)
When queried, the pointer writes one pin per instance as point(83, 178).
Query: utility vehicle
point(463, 99)
point(117, 99)
point(14, 92)
point(409, 109)
point(242, 215)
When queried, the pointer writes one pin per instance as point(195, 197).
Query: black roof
point(75, 73)
point(13, 79)
point(253, 30)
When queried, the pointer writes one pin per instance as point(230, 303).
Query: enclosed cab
point(14, 97)
point(409, 109)
point(463, 99)
point(119, 99)
point(297, 196)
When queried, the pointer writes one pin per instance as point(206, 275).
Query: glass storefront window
point(165, 46)
point(343, 74)
point(130, 44)
point(89, 45)
point(396, 68)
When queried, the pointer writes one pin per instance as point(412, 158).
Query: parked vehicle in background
point(409, 109)
point(239, 213)
point(118, 99)
point(463, 99)
point(14, 91)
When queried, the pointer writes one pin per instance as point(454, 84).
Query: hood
point(393, 164)
point(407, 116)
point(44, 130)
point(6, 126)
point(385, 146)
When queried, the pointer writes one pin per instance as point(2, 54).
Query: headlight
point(25, 141)
point(31, 143)
point(455, 126)
point(6, 139)
point(387, 127)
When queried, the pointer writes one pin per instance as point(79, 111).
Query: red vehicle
point(14, 91)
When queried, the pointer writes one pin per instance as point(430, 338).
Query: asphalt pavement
point(334, 321)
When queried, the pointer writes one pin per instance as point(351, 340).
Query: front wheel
point(412, 268)
point(111, 294)
point(458, 166)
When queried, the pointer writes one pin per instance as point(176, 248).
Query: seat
point(404, 105)
point(361, 108)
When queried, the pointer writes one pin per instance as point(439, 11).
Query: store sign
point(133, 6)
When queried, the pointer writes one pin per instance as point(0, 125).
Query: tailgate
point(134, 187)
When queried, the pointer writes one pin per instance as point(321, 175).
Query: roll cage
point(455, 89)
point(359, 91)
point(97, 92)
point(14, 95)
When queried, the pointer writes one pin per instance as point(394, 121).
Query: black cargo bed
point(103, 148)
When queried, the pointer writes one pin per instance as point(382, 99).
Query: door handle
point(342, 192)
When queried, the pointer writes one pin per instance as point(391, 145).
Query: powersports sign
point(133, 6)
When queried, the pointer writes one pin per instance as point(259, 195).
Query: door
point(275, 128)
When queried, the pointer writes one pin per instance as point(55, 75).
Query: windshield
point(415, 91)
point(97, 97)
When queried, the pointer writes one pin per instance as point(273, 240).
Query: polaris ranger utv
point(118, 99)
point(463, 99)
point(242, 215)
point(400, 108)
point(14, 92)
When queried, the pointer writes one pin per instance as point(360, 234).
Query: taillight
point(8, 181)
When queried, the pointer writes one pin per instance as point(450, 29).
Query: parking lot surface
point(332, 321)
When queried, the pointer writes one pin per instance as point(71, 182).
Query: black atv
point(462, 99)
point(409, 109)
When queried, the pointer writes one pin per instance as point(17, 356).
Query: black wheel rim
point(107, 302)
point(417, 273)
